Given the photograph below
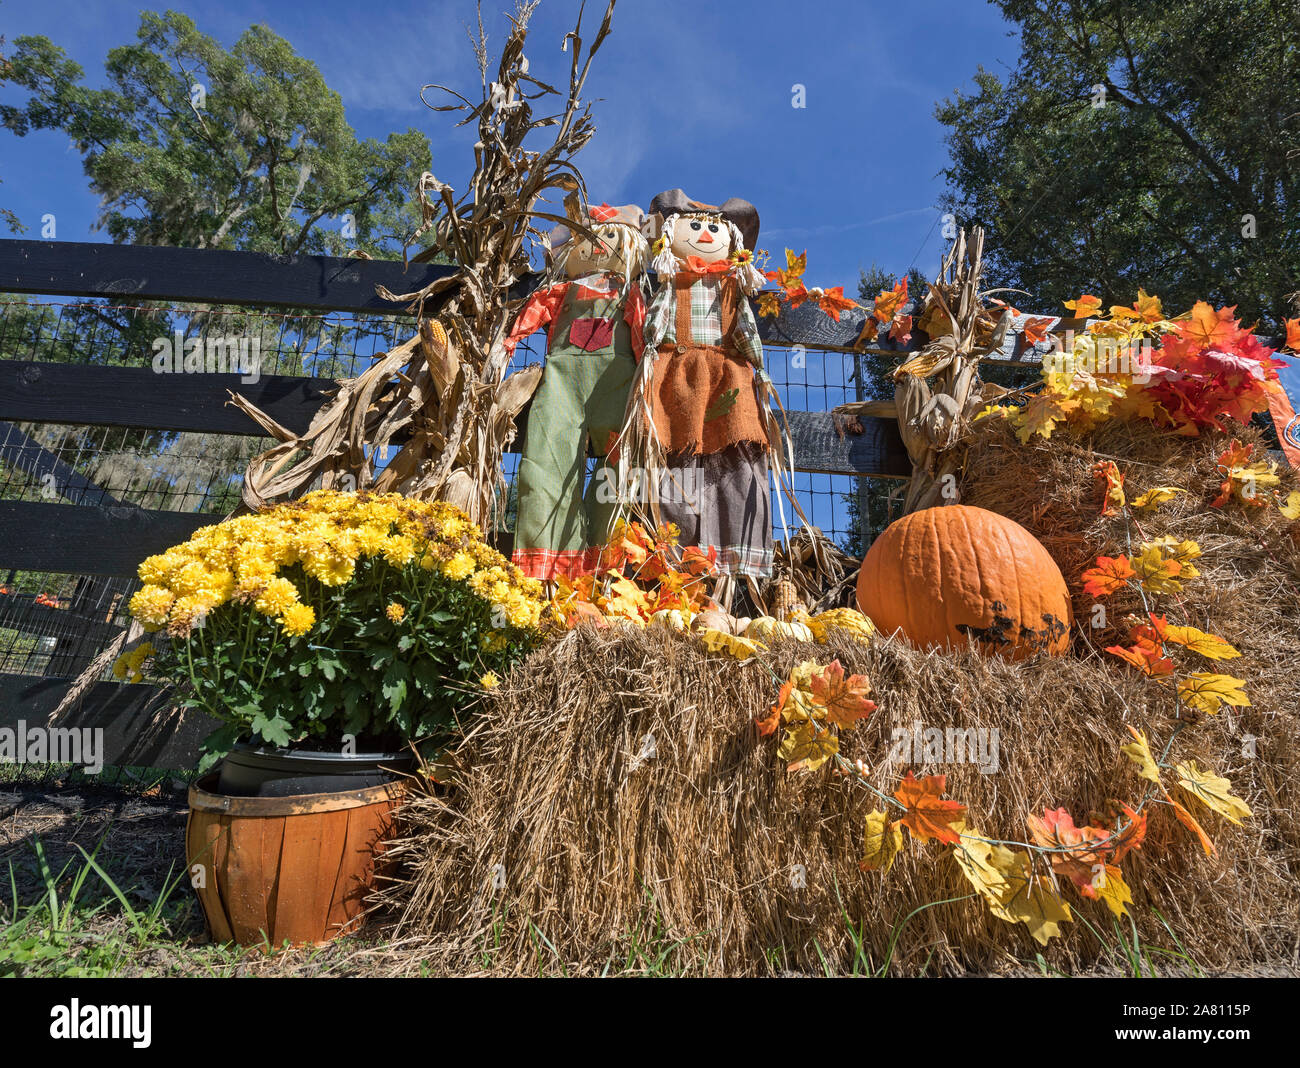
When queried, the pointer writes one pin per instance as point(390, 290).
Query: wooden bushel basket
point(285, 868)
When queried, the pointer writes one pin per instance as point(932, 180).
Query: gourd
point(951, 576)
point(767, 627)
point(671, 618)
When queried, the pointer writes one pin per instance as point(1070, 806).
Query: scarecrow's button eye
point(695, 226)
point(713, 228)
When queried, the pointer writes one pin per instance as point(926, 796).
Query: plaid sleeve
point(659, 319)
point(746, 333)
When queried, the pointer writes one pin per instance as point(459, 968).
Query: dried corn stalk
point(937, 390)
point(442, 398)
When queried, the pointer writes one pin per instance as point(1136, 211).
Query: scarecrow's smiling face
point(708, 239)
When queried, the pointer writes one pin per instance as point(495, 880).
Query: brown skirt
point(692, 411)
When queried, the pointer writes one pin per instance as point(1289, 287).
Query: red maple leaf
point(845, 699)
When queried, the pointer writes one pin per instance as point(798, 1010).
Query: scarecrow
point(701, 402)
point(594, 320)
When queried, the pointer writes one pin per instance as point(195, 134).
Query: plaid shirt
point(706, 318)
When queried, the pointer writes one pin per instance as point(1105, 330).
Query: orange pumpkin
point(954, 575)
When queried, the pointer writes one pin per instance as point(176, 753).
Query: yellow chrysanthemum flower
point(395, 612)
point(298, 619)
point(277, 595)
point(489, 681)
point(459, 566)
point(152, 605)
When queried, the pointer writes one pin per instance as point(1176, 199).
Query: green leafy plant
point(358, 614)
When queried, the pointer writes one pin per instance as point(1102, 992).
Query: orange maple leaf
point(845, 699)
point(1208, 327)
point(889, 302)
point(1110, 574)
point(927, 815)
point(1132, 836)
point(901, 330)
point(1108, 474)
point(1075, 849)
point(1035, 330)
point(1084, 306)
point(1293, 335)
point(769, 723)
point(1145, 655)
point(833, 301)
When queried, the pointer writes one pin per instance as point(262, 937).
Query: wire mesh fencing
point(55, 624)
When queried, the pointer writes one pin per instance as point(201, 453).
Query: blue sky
point(694, 95)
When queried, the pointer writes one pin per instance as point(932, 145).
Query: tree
point(196, 146)
point(1138, 144)
point(11, 220)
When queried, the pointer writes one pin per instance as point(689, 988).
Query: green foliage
point(53, 937)
point(1134, 145)
point(193, 145)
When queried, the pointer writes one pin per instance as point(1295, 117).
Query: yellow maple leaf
point(1041, 415)
point(1148, 307)
point(805, 746)
point(1207, 691)
point(1109, 885)
point(1213, 791)
point(716, 641)
point(1156, 495)
point(1033, 901)
point(1139, 751)
point(985, 865)
point(882, 842)
point(1291, 506)
point(1210, 646)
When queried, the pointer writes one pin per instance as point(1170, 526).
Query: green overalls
point(581, 401)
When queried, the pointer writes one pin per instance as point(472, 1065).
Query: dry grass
point(694, 848)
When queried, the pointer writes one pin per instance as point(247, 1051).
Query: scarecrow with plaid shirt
point(703, 393)
point(594, 320)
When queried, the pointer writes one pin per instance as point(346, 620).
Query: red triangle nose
point(705, 238)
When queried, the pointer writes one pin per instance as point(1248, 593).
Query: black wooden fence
point(110, 538)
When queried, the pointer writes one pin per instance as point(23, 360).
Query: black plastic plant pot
point(258, 771)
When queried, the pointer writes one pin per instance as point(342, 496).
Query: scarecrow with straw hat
point(594, 318)
point(698, 426)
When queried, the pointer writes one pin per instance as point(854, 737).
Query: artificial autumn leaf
point(1210, 646)
point(928, 816)
point(888, 303)
point(1207, 691)
point(1074, 851)
point(1035, 330)
point(1242, 479)
point(1291, 506)
point(882, 842)
point(626, 599)
point(986, 866)
point(1163, 574)
point(742, 648)
point(1148, 307)
point(1155, 495)
point(1111, 573)
point(1293, 335)
point(1084, 306)
point(794, 269)
point(1041, 414)
point(1146, 656)
point(1108, 885)
point(1133, 834)
point(868, 332)
point(1213, 791)
point(845, 699)
point(1139, 752)
point(806, 746)
point(901, 330)
point(769, 303)
point(1189, 821)
point(833, 301)
point(1209, 328)
point(1033, 902)
point(769, 723)
point(1108, 474)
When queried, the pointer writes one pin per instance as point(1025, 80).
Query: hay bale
point(600, 846)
